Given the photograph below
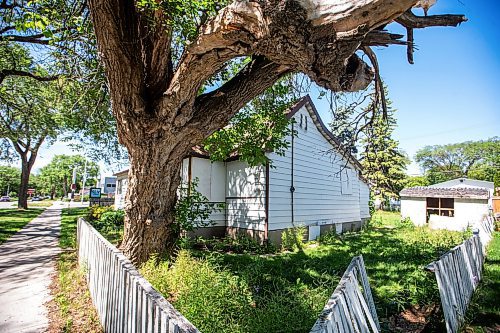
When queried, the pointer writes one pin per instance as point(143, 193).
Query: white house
point(109, 185)
point(453, 205)
point(312, 185)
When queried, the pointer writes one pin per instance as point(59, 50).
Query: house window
point(441, 207)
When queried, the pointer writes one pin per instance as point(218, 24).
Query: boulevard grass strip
point(72, 309)
point(13, 220)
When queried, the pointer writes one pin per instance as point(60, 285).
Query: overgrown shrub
point(95, 212)
point(201, 292)
point(113, 218)
point(292, 239)
point(239, 244)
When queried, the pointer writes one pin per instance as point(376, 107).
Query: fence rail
point(125, 301)
point(350, 308)
point(458, 273)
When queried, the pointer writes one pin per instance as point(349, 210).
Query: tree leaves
point(473, 159)
point(262, 126)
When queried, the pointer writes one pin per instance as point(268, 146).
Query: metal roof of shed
point(445, 192)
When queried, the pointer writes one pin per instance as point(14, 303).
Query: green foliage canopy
point(9, 179)
point(55, 178)
point(472, 159)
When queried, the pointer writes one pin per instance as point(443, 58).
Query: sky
point(451, 94)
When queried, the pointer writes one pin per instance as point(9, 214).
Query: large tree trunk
point(154, 177)
point(26, 165)
point(160, 112)
point(22, 202)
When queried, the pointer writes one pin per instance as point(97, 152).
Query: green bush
point(240, 244)
point(113, 218)
point(293, 239)
point(95, 212)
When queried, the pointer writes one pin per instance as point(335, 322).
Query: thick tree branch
point(116, 27)
point(216, 108)
point(300, 36)
point(13, 72)
point(379, 86)
point(410, 20)
point(382, 38)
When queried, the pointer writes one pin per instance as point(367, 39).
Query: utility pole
point(73, 183)
point(84, 180)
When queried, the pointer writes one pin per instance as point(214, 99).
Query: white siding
point(468, 212)
point(245, 196)
point(318, 196)
point(415, 209)
point(211, 178)
point(121, 191)
point(364, 198)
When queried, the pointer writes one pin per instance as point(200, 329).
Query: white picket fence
point(485, 230)
point(350, 309)
point(458, 273)
point(125, 301)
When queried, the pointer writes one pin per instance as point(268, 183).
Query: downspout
point(266, 225)
point(292, 188)
point(190, 175)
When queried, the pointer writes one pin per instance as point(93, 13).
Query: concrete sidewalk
point(27, 261)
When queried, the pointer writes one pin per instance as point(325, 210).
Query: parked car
point(5, 198)
point(36, 198)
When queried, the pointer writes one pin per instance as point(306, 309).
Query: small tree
point(9, 180)
point(384, 164)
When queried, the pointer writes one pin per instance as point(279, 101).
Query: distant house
point(453, 205)
point(109, 185)
point(312, 185)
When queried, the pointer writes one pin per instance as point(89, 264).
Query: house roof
point(329, 136)
point(465, 182)
point(121, 173)
point(445, 192)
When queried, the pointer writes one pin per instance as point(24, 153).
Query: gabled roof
point(320, 125)
point(465, 182)
point(445, 192)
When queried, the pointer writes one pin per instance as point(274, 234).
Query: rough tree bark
point(159, 111)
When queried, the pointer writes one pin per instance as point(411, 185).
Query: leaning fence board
point(124, 300)
point(458, 273)
point(351, 307)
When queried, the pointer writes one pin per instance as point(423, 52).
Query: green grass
point(13, 220)
point(76, 312)
point(227, 292)
point(44, 203)
point(484, 310)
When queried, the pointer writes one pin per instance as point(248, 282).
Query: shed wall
point(415, 209)
point(468, 212)
point(121, 191)
point(211, 180)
